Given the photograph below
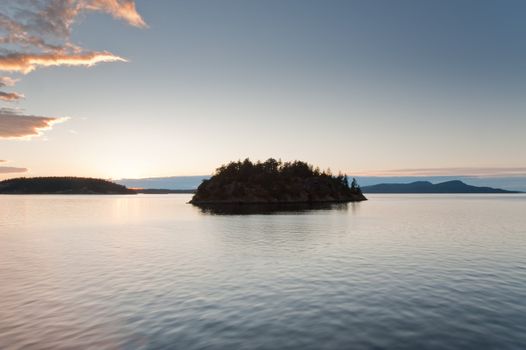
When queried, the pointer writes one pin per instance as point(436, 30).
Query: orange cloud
point(36, 19)
point(122, 9)
point(10, 96)
point(19, 126)
point(26, 63)
point(7, 81)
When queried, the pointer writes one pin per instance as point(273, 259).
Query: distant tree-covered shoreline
point(61, 185)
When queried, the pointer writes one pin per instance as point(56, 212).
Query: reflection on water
point(152, 272)
point(269, 209)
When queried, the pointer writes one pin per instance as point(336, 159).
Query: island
point(275, 182)
point(455, 186)
point(61, 185)
point(162, 191)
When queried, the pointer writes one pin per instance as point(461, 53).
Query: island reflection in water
point(272, 209)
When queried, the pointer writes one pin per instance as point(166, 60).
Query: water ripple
point(150, 272)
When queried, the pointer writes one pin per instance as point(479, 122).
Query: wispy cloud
point(14, 125)
point(36, 22)
point(10, 96)
point(10, 169)
point(36, 34)
point(123, 9)
point(7, 81)
point(25, 63)
point(474, 171)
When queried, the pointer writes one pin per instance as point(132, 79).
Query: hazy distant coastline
point(455, 186)
point(80, 185)
point(192, 182)
point(162, 191)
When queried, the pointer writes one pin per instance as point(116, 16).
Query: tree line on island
point(61, 185)
point(274, 181)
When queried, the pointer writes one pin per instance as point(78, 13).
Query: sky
point(131, 89)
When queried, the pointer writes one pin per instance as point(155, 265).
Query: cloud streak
point(20, 126)
point(25, 63)
point(123, 9)
point(10, 96)
point(7, 81)
point(11, 170)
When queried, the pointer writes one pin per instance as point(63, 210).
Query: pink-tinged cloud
point(121, 9)
point(10, 96)
point(36, 34)
point(17, 33)
point(7, 81)
point(33, 20)
point(12, 170)
point(20, 126)
point(467, 171)
point(25, 63)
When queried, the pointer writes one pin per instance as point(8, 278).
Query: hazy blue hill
point(454, 186)
point(162, 191)
point(272, 182)
point(169, 183)
point(61, 185)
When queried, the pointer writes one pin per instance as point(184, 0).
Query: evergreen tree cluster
point(61, 185)
point(275, 181)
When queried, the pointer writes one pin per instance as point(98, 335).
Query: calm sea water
point(151, 272)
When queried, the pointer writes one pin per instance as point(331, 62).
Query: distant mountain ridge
point(454, 186)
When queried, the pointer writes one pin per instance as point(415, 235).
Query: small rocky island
point(274, 182)
point(61, 185)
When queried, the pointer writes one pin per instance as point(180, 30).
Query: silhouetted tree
point(274, 180)
point(345, 180)
point(354, 185)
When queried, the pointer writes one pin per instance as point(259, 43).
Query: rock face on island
point(274, 182)
point(61, 185)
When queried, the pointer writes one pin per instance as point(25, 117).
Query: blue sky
point(358, 86)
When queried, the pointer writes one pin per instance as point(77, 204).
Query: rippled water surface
point(151, 272)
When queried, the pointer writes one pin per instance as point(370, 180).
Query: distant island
point(162, 191)
point(455, 186)
point(275, 182)
point(61, 185)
